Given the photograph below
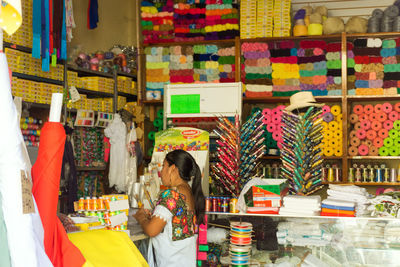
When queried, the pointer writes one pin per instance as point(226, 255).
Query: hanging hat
point(302, 100)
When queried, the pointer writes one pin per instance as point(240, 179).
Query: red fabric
point(46, 184)
point(338, 214)
point(88, 16)
point(51, 26)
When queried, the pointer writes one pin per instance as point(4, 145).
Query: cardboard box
point(268, 196)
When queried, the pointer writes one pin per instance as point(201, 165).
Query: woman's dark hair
point(189, 169)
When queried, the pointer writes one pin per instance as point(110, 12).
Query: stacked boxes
point(72, 78)
point(282, 22)
point(100, 84)
point(36, 92)
point(265, 18)
point(124, 84)
point(24, 63)
point(23, 36)
point(96, 104)
point(248, 21)
point(121, 102)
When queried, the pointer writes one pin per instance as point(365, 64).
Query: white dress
point(164, 252)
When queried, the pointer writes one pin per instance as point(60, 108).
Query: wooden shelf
point(268, 39)
point(130, 75)
point(94, 94)
point(374, 157)
point(332, 157)
point(372, 34)
point(36, 78)
point(227, 41)
point(286, 99)
point(153, 102)
point(87, 72)
point(129, 96)
point(17, 47)
point(36, 105)
point(271, 157)
point(84, 168)
point(365, 184)
point(354, 98)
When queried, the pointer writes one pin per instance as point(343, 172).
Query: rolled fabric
point(361, 134)
point(381, 116)
point(366, 142)
point(376, 125)
point(393, 134)
point(333, 125)
point(388, 125)
point(353, 118)
point(353, 151)
point(373, 116)
point(363, 150)
point(355, 141)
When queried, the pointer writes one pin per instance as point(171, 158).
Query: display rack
point(344, 100)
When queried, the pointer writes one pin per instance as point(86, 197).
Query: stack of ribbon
point(226, 171)
point(181, 64)
point(285, 70)
point(256, 69)
point(240, 246)
point(227, 65)
point(248, 22)
point(282, 19)
point(222, 20)
point(205, 63)
point(375, 130)
point(368, 66)
point(252, 146)
point(332, 131)
point(265, 18)
point(313, 66)
point(334, 66)
point(301, 153)
point(189, 21)
point(157, 71)
point(333, 207)
point(157, 21)
point(273, 124)
point(351, 77)
point(390, 52)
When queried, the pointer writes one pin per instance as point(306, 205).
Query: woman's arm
point(151, 226)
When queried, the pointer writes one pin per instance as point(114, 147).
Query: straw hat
point(302, 100)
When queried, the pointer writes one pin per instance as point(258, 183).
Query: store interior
point(200, 133)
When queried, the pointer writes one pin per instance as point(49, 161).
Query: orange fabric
point(338, 212)
point(46, 182)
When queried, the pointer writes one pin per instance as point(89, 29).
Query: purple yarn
point(329, 80)
point(375, 84)
point(256, 55)
point(350, 54)
point(301, 52)
point(328, 117)
point(300, 14)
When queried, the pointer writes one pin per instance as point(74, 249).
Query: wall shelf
point(130, 75)
point(365, 183)
point(153, 102)
point(87, 72)
point(17, 47)
point(36, 78)
point(128, 96)
point(94, 94)
point(375, 157)
point(227, 41)
point(286, 99)
point(36, 105)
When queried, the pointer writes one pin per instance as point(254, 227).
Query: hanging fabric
point(36, 28)
point(45, 42)
point(5, 259)
point(69, 20)
point(93, 15)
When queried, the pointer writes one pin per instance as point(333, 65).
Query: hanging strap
point(36, 27)
point(63, 53)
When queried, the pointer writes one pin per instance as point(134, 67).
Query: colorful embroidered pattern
point(183, 221)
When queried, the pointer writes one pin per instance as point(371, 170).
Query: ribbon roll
point(388, 125)
point(388, 142)
point(352, 134)
point(381, 117)
point(267, 120)
point(326, 109)
point(376, 125)
point(378, 108)
point(358, 109)
point(397, 107)
point(338, 134)
point(363, 150)
point(371, 135)
point(368, 109)
point(396, 125)
point(328, 117)
point(355, 142)
point(333, 125)
point(378, 142)
point(372, 116)
point(336, 110)
point(393, 151)
point(365, 125)
point(393, 133)
point(361, 134)
point(383, 151)
point(393, 116)
point(383, 133)
point(353, 151)
point(357, 126)
point(373, 151)
point(363, 117)
point(366, 142)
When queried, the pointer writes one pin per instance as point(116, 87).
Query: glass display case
point(320, 241)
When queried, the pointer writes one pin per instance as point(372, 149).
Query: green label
point(181, 104)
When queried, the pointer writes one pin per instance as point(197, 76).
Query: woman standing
point(180, 208)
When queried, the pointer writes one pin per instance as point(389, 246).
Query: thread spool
point(363, 150)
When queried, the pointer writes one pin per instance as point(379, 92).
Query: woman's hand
point(141, 215)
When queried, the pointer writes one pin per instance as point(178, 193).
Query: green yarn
point(334, 64)
point(147, 27)
point(311, 73)
point(146, 23)
point(147, 50)
point(226, 60)
point(350, 62)
point(383, 151)
point(252, 76)
point(199, 49)
point(389, 44)
point(196, 64)
point(284, 93)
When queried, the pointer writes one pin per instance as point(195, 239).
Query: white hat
point(302, 100)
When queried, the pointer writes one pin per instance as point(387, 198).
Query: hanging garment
point(116, 131)
point(68, 172)
point(131, 168)
point(5, 260)
point(24, 231)
point(93, 14)
point(69, 19)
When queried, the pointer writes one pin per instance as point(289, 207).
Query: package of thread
point(390, 53)
point(157, 71)
point(157, 21)
point(301, 151)
point(375, 130)
point(285, 70)
point(332, 131)
point(256, 69)
point(189, 21)
point(334, 68)
point(369, 70)
point(222, 20)
point(313, 66)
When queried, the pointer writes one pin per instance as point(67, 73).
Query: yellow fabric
point(10, 16)
point(106, 248)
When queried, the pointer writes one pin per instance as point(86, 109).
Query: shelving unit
point(344, 100)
